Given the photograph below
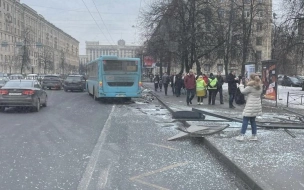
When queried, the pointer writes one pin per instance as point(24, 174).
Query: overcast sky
point(115, 19)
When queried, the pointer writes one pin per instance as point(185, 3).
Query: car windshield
point(19, 84)
point(2, 81)
point(73, 78)
point(50, 77)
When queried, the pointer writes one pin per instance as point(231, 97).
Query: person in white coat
point(253, 105)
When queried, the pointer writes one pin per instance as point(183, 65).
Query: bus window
point(117, 65)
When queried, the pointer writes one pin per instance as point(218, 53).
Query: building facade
point(94, 50)
point(83, 59)
point(23, 31)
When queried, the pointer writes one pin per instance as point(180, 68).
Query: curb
point(247, 178)
point(233, 167)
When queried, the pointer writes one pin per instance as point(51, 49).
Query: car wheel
point(37, 107)
point(45, 103)
point(2, 109)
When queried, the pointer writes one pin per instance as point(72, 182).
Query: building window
point(259, 55)
point(207, 67)
point(260, 13)
point(260, 1)
point(259, 27)
point(219, 67)
point(259, 41)
point(221, 13)
point(247, 1)
point(246, 13)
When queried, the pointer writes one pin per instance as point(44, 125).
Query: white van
point(32, 76)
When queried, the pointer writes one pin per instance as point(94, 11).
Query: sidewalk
point(275, 161)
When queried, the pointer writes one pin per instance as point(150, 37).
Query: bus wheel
point(94, 96)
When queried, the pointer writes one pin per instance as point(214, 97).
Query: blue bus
point(111, 77)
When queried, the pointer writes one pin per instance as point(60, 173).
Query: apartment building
point(95, 50)
point(21, 27)
point(258, 18)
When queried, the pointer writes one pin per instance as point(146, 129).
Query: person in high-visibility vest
point(200, 89)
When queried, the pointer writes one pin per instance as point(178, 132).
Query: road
point(79, 143)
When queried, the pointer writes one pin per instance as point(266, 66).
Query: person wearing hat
point(212, 89)
point(200, 89)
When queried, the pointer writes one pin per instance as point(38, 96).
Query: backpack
point(213, 83)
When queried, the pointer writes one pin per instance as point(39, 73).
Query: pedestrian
point(172, 81)
point(160, 84)
point(220, 82)
point(232, 87)
point(178, 85)
point(212, 89)
point(166, 81)
point(200, 89)
point(151, 77)
point(156, 82)
point(189, 81)
point(253, 105)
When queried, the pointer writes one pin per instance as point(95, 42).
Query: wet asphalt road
point(77, 143)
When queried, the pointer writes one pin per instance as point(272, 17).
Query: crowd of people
point(202, 87)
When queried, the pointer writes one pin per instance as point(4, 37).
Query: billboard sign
point(148, 61)
point(269, 79)
point(249, 68)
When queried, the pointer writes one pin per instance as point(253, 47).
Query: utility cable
point(103, 21)
point(96, 22)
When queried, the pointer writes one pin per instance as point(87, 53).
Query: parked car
point(16, 76)
point(2, 82)
point(291, 81)
point(301, 78)
point(22, 93)
point(74, 82)
point(51, 81)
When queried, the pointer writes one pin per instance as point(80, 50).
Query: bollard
point(303, 86)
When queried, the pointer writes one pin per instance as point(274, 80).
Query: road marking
point(158, 171)
point(159, 145)
point(103, 179)
point(86, 177)
point(151, 185)
point(301, 184)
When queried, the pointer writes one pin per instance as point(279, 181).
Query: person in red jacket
point(190, 84)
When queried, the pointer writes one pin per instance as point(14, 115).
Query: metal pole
point(287, 98)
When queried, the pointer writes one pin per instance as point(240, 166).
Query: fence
point(294, 99)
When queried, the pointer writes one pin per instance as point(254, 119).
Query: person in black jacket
point(178, 85)
point(232, 87)
point(156, 82)
point(220, 82)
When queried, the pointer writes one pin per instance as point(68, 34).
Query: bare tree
point(62, 64)
point(46, 59)
point(25, 50)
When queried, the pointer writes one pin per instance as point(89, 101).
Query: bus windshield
point(120, 65)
